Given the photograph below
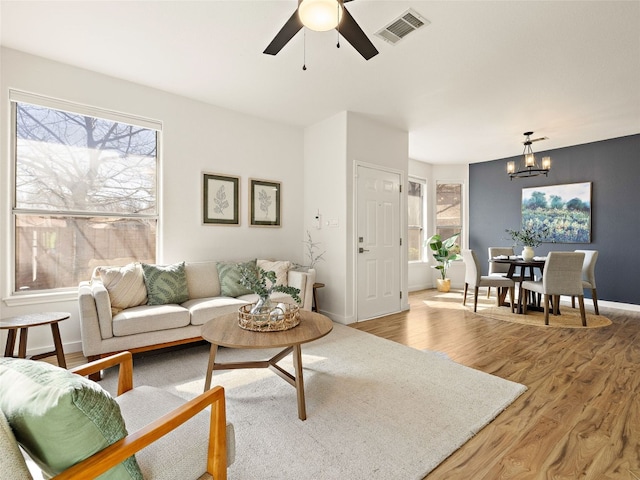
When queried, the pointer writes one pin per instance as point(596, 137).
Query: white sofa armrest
point(304, 282)
point(95, 316)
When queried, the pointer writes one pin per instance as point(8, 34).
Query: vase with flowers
point(529, 237)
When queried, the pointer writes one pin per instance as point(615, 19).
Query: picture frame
point(220, 199)
point(564, 209)
point(264, 203)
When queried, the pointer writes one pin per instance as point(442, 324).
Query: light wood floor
point(580, 417)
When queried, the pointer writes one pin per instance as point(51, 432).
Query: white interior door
point(377, 242)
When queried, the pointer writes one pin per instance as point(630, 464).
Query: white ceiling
point(465, 88)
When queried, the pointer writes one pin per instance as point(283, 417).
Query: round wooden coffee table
point(225, 332)
point(23, 323)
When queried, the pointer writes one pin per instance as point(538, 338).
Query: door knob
point(362, 250)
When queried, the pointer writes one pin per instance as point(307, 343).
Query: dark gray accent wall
point(613, 167)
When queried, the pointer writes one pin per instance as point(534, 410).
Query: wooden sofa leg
point(95, 377)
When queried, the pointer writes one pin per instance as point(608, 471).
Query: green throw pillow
point(61, 418)
point(229, 274)
point(165, 283)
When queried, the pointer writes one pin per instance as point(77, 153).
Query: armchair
point(196, 450)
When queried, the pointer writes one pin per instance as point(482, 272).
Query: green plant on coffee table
point(529, 236)
point(445, 251)
point(255, 279)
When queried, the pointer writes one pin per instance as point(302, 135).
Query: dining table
point(525, 271)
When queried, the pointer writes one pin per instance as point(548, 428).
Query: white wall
point(332, 147)
point(325, 178)
point(196, 138)
point(372, 142)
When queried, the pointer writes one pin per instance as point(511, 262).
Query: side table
point(314, 304)
point(22, 323)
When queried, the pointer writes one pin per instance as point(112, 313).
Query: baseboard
point(70, 347)
point(631, 307)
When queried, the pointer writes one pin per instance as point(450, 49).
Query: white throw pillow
point(125, 286)
point(281, 269)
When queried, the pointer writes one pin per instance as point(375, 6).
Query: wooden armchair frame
point(117, 452)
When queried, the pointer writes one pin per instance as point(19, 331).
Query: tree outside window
point(85, 195)
point(448, 209)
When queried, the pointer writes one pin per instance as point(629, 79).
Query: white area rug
point(375, 409)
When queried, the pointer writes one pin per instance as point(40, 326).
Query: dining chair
point(498, 269)
point(562, 275)
point(589, 277)
point(474, 279)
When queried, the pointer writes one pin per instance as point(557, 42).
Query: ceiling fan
point(528, 141)
point(341, 21)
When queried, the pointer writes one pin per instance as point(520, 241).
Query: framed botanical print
point(220, 194)
point(264, 203)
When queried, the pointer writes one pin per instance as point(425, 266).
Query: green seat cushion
point(229, 274)
point(165, 283)
point(60, 418)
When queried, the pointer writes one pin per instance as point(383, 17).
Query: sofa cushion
point(125, 285)
point(165, 283)
point(281, 269)
point(60, 418)
point(202, 279)
point(149, 318)
point(204, 309)
point(229, 274)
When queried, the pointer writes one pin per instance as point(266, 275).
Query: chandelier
point(529, 167)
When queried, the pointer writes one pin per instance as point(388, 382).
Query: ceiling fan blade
point(286, 33)
point(353, 34)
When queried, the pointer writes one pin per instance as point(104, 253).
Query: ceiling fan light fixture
point(320, 15)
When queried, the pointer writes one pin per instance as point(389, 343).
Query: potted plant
point(529, 238)
point(255, 279)
point(445, 252)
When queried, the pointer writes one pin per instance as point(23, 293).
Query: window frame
point(422, 227)
point(459, 226)
point(16, 97)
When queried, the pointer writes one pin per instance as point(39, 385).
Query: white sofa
point(144, 327)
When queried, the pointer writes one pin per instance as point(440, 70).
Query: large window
point(416, 206)
point(448, 209)
point(85, 194)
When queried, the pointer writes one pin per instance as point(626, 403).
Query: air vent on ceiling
point(408, 22)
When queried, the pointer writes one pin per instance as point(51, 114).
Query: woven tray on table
point(269, 320)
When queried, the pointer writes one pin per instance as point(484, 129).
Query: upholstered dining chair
point(562, 275)
point(474, 279)
point(498, 269)
point(589, 277)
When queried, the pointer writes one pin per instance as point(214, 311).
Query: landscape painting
point(564, 209)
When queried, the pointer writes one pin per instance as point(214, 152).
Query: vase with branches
point(311, 253)
point(529, 237)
